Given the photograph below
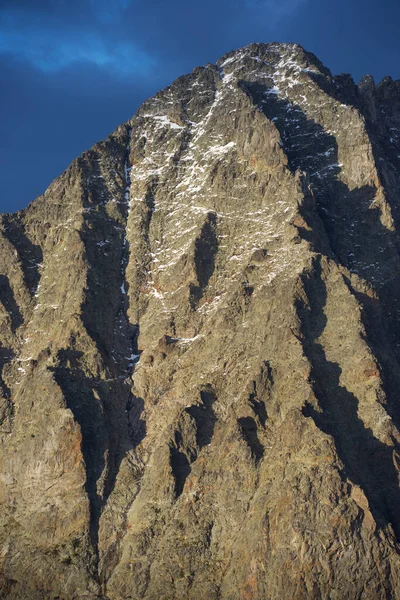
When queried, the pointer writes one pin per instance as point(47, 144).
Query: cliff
point(200, 346)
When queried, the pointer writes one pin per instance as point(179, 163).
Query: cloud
point(62, 33)
point(58, 115)
point(275, 9)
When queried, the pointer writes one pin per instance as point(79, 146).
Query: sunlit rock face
point(199, 355)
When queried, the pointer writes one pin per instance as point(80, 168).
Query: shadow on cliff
point(346, 225)
point(104, 239)
point(109, 418)
point(7, 299)
point(205, 251)
point(108, 414)
point(182, 452)
point(368, 461)
point(16, 320)
point(6, 356)
point(30, 254)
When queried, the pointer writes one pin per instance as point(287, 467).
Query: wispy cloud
point(51, 40)
point(275, 9)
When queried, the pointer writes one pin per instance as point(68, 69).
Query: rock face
point(200, 348)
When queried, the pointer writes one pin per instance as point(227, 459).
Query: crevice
point(205, 251)
point(104, 287)
point(180, 465)
point(248, 429)
point(6, 404)
point(194, 431)
point(137, 426)
point(6, 356)
point(149, 205)
point(7, 298)
point(105, 310)
point(260, 391)
point(140, 274)
point(204, 416)
point(131, 335)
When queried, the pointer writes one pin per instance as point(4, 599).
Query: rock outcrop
point(200, 348)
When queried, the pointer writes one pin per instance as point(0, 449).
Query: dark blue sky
point(72, 70)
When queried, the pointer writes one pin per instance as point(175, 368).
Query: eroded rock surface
point(199, 348)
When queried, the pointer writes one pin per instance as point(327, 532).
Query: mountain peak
point(199, 360)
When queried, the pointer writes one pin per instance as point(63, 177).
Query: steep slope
point(200, 348)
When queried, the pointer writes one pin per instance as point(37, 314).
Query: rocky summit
point(200, 348)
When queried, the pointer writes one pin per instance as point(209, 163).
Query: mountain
point(200, 348)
